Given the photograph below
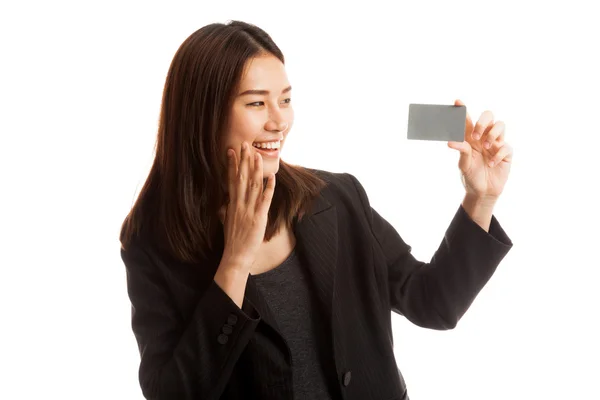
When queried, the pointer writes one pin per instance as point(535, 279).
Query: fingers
point(495, 132)
point(489, 134)
point(243, 175)
point(246, 181)
point(232, 165)
point(267, 195)
point(256, 181)
point(503, 154)
point(484, 122)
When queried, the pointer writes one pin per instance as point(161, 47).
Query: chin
point(270, 167)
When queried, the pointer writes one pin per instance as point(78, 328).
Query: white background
point(80, 92)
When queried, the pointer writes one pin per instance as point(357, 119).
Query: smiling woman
point(210, 104)
point(250, 278)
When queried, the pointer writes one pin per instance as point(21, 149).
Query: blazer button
point(347, 378)
point(232, 319)
point(227, 329)
point(222, 339)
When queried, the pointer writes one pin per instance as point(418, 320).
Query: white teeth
point(267, 145)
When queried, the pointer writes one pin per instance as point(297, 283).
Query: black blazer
point(195, 343)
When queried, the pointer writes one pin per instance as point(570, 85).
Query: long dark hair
point(177, 208)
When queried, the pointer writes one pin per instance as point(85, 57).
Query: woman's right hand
point(245, 216)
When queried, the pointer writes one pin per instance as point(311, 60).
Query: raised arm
point(437, 294)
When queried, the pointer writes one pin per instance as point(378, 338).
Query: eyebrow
point(263, 92)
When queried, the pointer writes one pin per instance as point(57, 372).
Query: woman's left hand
point(485, 158)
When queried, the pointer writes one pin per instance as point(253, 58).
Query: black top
point(288, 293)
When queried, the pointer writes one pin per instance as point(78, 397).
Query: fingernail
point(476, 136)
point(491, 163)
point(488, 145)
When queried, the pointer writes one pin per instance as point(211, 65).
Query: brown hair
point(177, 208)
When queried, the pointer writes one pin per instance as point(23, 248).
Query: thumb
point(464, 163)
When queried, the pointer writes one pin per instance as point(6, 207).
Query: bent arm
point(183, 362)
point(437, 294)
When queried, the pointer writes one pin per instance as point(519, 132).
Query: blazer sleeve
point(183, 362)
point(437, 294)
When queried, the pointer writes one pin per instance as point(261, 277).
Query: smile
point(267, 145)
point(268, 149)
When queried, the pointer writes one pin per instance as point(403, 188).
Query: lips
point(269, 153)
point(273, 144)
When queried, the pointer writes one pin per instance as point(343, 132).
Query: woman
point(253, 278)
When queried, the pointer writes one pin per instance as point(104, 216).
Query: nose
point(276, 123)
point(282, 126)
point(273, 126)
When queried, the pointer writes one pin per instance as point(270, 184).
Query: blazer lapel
point(317, 246)
point(317, 243)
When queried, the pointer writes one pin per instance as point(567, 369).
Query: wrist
point(228, 276)
point(479, 209)
point(480, 201)
point(235, 266)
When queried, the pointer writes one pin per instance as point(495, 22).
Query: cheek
point(290, 126)
point(243, 128)
point(288, 114)
point(290, 120)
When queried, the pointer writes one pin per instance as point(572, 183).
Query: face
point(262, 113)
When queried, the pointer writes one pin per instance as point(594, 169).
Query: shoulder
point(342, 187)
point(334, 180)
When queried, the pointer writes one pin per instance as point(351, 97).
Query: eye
point(262, 103)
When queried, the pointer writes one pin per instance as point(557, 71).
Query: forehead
point(265, 72)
